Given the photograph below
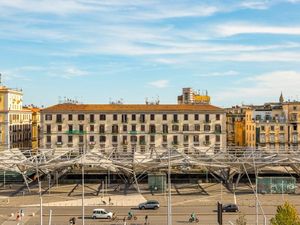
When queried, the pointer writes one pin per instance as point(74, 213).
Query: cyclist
point(130, 214)
point(193, 216)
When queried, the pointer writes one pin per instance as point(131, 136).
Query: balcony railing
point(206, 143)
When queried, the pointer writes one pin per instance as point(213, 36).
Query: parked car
point(102, 214)
point(151, 204)
point(230, 208)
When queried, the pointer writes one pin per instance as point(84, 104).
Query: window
point(59, 139)
point(295, 127)
point(133, 127)
point(133, 138)
point(186, 117)
point(262, 128)
point(114, 138)
point(58, 118)
point(70, 128)
point(281, 128)
point(272, 128)
point(175, 128)
point(143, 128)
point(218, 138)
point(48, 117)
point(185, 138)
point(48, 129)
point(142, 140)
point(80, 128)
point(206, 139)
point(115, 129)
point(81, 139)
point(125, 128)
point(217, 116)
point(175, 139)
point(102, 129)
point(102, 117)
point(165, 128)
point(164, 116)
point(124, 118)
point(196, 138)
point(152, 117)
point(59, 128)
point(175, 118)
point(206, 127)
point(92, 128)
point(196, 117)
point(70, 139)
point(152, 138)
point(152, 129)
point(142, 118)
point(165, 138)
point(124, 140)
point(133, 117)
point(207, 118)
point(115, 117)
point(218, 128)
point(92, 138)
point(92, 118)
point(185, 127)
point(80, 117)
point(48, 139)
point(70, 117)
point(197, 127)
point(102, 138)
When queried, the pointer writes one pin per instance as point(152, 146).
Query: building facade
point(15, 122)
point(189, 96)
point(235, 126)
point(134, 127)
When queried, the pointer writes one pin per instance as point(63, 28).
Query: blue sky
point(96, 50)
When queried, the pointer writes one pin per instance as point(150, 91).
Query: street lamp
point(169, 189)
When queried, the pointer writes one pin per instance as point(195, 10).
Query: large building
point(189, 96)
point(141, 128)
point(15, 121)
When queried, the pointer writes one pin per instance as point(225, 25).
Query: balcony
point(142, 143)
point(175, 121)
point(59, 143)
point(91, 121)
point(133, 132)
point(124, 121)
point(92, 143)
point(207, 121)
point(175, 143)
point(142, 121)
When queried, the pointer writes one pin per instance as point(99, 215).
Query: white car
point(102, 214)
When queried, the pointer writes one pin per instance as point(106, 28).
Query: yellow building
point(36, 127)
point(235, 126)
point(15, 122)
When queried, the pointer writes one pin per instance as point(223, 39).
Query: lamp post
point(169, 189)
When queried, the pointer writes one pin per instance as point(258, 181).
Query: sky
point(97, 51)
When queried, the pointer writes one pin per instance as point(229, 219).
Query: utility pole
point(82, 180)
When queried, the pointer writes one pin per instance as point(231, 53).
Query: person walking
point(124, 221)
point(146, 220)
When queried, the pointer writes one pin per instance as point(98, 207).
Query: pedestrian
point(109, 200)
point(146, 220)
point(124, 221)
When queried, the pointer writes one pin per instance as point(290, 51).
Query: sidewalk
point(116, 200)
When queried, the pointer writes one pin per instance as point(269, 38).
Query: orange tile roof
point(130, 108)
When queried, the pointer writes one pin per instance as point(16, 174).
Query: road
point(206, 214)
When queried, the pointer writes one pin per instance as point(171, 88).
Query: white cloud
point(262, 87)
point(220, 74)
point(231, 29)
point(159, 83)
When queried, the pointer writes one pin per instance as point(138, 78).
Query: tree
point(286, 215)
point(241, 220)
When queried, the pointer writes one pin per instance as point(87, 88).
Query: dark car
point(230, 208)
point(151, 204)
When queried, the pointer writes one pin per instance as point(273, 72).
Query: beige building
point(268, 126)
point(15, 122)
point(141, 128)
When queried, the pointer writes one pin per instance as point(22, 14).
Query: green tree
point(241, 220)
point(286, 215)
